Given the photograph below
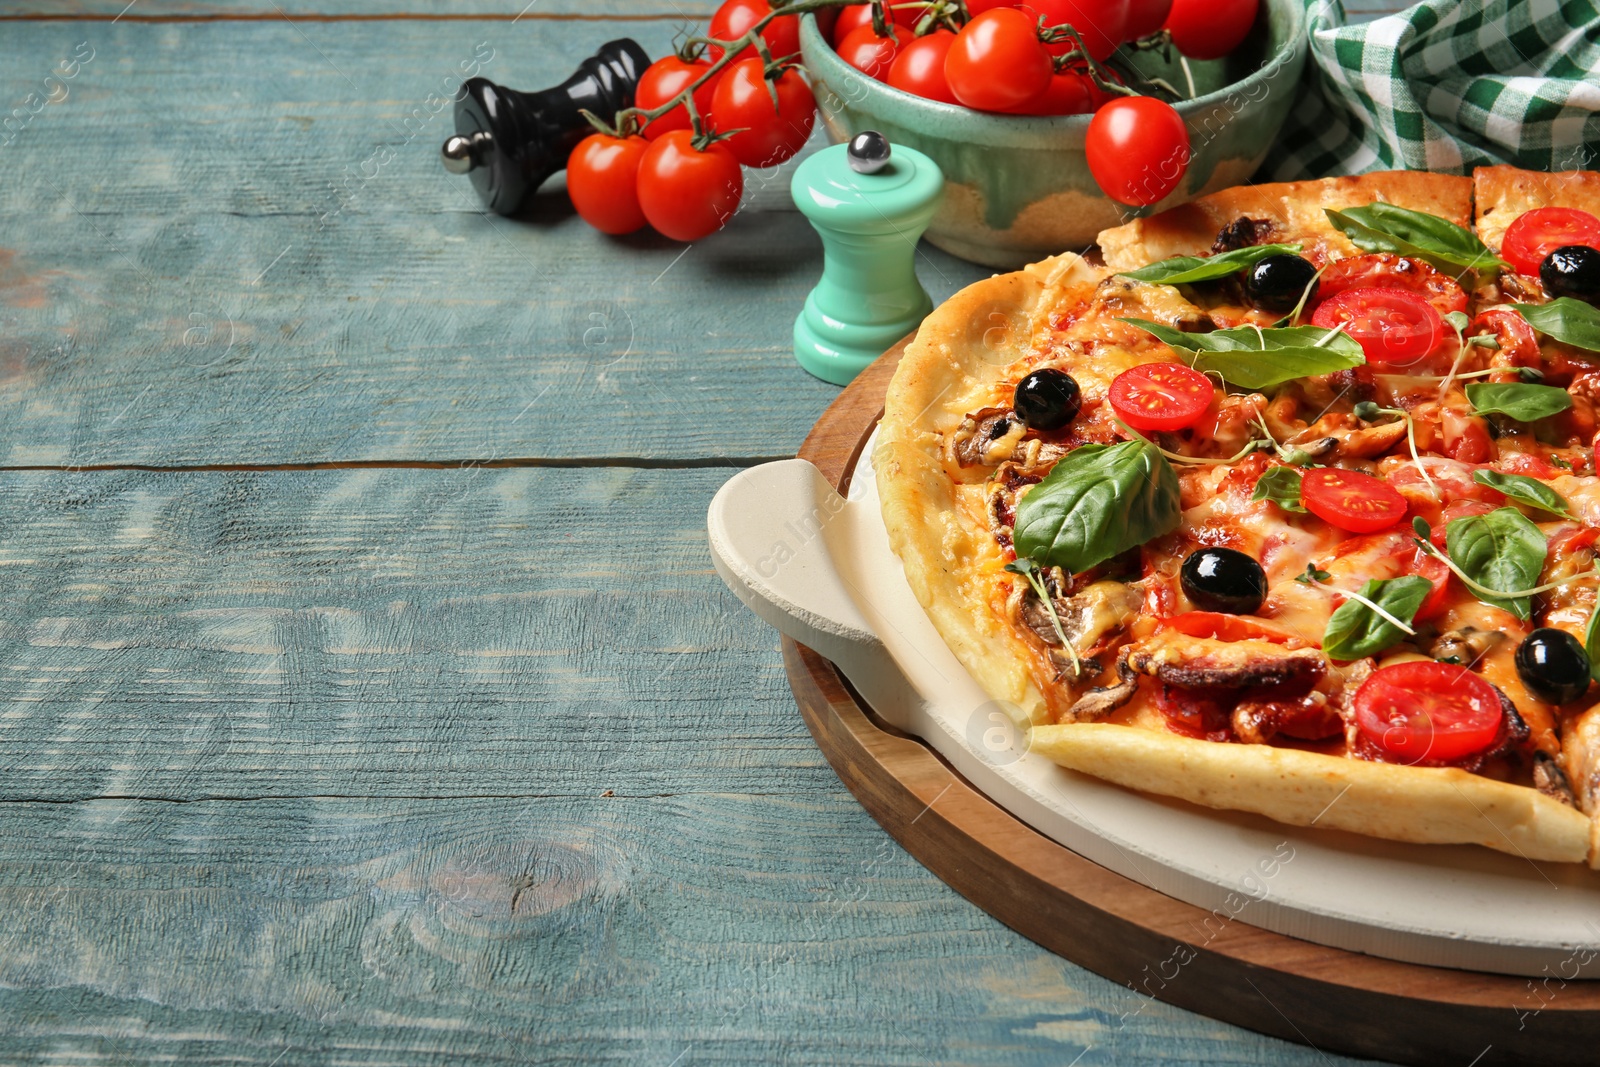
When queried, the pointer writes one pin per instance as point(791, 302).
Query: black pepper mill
point(510, 142)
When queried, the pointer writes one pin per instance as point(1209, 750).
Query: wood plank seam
point(527, 462)
point(277, 16)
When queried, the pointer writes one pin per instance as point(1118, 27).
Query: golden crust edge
point(1420, 805)
point(920, 511)
point(1190, 228)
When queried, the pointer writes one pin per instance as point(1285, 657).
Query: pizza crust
point(1502, 193)
point(1296, 210)
point(1425, 805)
point(946, 372)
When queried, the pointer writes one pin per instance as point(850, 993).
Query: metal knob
point(869, 152)
point(460, 154)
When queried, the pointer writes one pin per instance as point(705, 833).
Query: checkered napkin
point(1447, 85)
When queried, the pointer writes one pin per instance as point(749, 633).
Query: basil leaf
point(1525, 403)
point(1355, 630)
point(1388, 228)
point(1097, 502)
point(1525, 490)
point(1572, 322)
point(1260, 359)
point(1184, 270)
point(1502, 550)
point(1281, 485)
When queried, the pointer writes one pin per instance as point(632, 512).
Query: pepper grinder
point(510, 142)
point(870, 203)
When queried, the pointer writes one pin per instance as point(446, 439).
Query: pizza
point(1284, 501)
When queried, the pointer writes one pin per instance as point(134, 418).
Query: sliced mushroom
point(1465, 646)
point(1349, 436)
point(989, 437)
point(1549, 779)
point(1242, 232)
point(1101, 701)
point(1204, 662)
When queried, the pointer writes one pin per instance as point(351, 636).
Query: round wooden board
point(1163, 948)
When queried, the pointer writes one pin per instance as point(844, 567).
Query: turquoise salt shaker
point(870, 203)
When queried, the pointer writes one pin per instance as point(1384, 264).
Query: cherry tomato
point(1350, 500)
point(603, 182)
point(1099, 22)
point(864, 50)
point(919, 68)
point(1069, 93)
point(1432, 568)
point(1226, 627)
point(1384, 270)
point(997, 62)
point(1428, 711)
point(734, 19)
point(687, 193)
point(978, 7)
point(850, 18)
point(1138, 149)
point(744, 102)
point(1535, 234)
point(665, 79)
point(1394, 328)
point(1210, 29)
point(1161, 396)
point(1145, 17)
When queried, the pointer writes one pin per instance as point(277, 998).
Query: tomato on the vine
point(919, 68)
point(1069, 93)
point(1160, 396)
point(665, 79)
point(1210, 29)
point(743, 102)
point(1535, 234)
point(1394, 328)
point(998, 62)
point(1350, 500)
point(1137, 148)
point(1101, 23)
point(687, 192)
point(735, 18)
point(864, 50)
point(850, 19)
point(1145, 17)
point(603, 182)
point(1426, 710)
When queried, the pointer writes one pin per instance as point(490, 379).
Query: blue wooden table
point(366, 692)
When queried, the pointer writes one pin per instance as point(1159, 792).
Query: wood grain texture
point(256, 258)
point(310, 765)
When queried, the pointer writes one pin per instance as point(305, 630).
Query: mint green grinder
point(870, 220)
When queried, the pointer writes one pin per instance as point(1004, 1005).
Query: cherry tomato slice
point(1535, 234)
point(1350, 500)
point(1161, 396)
point(1384, 270)
point(1427, 711)
point(1394, 328)
point(1432, 568)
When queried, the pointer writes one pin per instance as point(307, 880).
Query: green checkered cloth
point(1446, 85)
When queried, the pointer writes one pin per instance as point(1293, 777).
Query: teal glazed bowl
point(1017, 188)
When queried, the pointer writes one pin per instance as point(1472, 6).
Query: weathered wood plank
point(663, 931)
point(254, 257)
point(380, 633)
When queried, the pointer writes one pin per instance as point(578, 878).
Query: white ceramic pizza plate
point(818, 567)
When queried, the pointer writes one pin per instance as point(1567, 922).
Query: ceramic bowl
point(1018, 188)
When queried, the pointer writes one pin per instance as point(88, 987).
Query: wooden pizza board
point(1160, 947)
